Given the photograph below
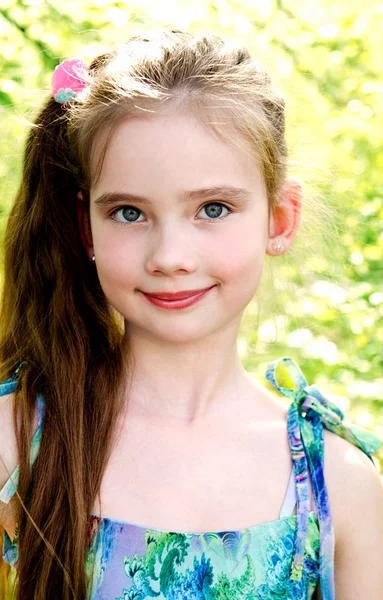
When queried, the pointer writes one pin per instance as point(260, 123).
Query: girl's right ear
point(84, 225)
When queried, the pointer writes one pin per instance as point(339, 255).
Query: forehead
point(163, 152)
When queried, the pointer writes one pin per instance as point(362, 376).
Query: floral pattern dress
point(282, 559)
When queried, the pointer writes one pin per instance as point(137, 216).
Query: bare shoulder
point(354, 483)
point(356, 498)
point(8, 446)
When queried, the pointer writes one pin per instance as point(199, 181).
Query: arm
point(356, 499)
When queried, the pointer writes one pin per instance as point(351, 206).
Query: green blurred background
point(324, 304)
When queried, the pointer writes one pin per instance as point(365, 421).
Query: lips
point(177, 295)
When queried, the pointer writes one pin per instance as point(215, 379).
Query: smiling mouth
point(178, 303)
point(171, 297)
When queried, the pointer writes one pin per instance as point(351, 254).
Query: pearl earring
point(276, 247)
point(93, 258)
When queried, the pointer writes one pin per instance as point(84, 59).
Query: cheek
point(242, 276)
point(117, 268)
point(242, 257)
point(118, 279)
point(117, 274)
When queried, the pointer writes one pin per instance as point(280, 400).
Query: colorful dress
point(282, 559)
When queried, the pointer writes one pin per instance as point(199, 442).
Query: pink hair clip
point(69, 78)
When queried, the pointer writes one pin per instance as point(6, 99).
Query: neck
point(189, 384)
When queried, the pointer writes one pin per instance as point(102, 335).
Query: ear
point(285, 218)
point(84, 225)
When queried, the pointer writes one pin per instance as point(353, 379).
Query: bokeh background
point(324, 305)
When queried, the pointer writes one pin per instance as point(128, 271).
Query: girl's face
point(176, 209)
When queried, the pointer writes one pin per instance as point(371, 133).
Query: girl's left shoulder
point(355, 493)
point(354, 484)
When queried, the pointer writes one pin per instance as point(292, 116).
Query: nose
point(172, 249)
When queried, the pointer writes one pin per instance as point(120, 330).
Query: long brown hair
point(55, 318)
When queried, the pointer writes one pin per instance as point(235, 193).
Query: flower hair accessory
point(69, 78)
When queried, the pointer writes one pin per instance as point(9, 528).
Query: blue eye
point(214, 210)
point(128, 212)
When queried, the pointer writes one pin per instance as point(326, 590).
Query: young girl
point(150, 465)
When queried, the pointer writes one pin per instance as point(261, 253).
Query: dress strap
point(308, 414)
point(9, 385)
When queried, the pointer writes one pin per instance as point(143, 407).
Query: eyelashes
point(133, 209)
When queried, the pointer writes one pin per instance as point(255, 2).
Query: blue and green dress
point(283, 559)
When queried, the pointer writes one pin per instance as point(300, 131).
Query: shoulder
point(356, 498)
point(354, 485)
point(8, 445)
point(346, 466)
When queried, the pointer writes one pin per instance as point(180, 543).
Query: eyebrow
point(224, 192)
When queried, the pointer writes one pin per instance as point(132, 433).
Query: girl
point(150, 465)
